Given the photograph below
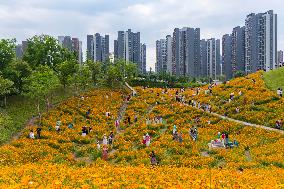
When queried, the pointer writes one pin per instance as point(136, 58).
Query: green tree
point(6, 88)
point(65, 70)
point(17, 72)
point(96, 69)
point(40, 84)
point(45, 50)
point(81, 79)
point(7, 52)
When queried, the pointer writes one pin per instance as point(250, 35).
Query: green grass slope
point(274, 79)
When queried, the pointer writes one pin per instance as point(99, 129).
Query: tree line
point(46, 66)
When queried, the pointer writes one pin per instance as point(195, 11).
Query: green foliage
point(66, 70)
point(45, 50)
point(274, 78)
point(81, 79)
point(7, 52)
point(41, 82)
point(17, 72)
point(5, 86)
point(96, 69)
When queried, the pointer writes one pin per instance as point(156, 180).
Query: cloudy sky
point(153, 18)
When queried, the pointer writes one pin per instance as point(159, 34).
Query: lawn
point(274, 79)
point(19, 110)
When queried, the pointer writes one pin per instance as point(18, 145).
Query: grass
point(274, 79)
point(19, 110)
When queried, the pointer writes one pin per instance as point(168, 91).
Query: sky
point(154, 19)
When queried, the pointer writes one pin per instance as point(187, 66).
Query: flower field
point(66, 159)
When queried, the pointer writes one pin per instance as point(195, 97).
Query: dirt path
point(245, 123)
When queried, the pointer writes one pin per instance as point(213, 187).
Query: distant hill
point(274, 79)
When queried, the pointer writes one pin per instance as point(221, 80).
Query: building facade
point(213, 58)
point(227, 56)
point(261, 42)
point(238, 49)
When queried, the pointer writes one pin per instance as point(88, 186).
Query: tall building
point(203, 57)
point(128, 47)
point(227, 56)
point(280, 58)
point(90, 47)
point(98, 47)
point(213, 58)
point(169, 49)
point(238, 49)
point(186, 52)
point(261, 42)
point(20, 49)
point(80, 53)
point(161, 56)
point(143, 58)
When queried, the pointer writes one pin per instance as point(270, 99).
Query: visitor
point(237, 110)
point(32, 135)
point(236, 143)
point(153, 158)
point(174, 129)
point(128, 120)
point(58, 124)
point(105, 153)
point(90, 129)
point(281, 93)
point(148, 140)
point(84, 131)
point(104, 139)
point(175, 136)
point(144, 140)
point(227, 139)
point(117, 125)
point(38, 131)
point(223, 138)
point(70, 126)
point(110, 138)
point(88, 114)
point(107, 114)
point(180, 137)
point(218, 135)
point(98, 145)
point(135, 118)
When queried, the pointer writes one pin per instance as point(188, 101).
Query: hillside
point(256, 103)
point(274, 79)
point(66, 159)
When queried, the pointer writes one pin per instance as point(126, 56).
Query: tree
point(7, 52)
point(239, 73)
point(81, 79)
point(40, 84)
point(6, 87)
point(65, 70)
point(45, 50)
point(96, 69)
point(17, 72)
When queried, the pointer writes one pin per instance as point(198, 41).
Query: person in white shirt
point(32, 135)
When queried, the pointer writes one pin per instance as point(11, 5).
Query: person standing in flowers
point(105, 153)
point(38, 131)
point(180, 137)
point(84, 131)
point(105, 140)
point(98, 145)
point(153, 158)
point(117, 125)
point(148, 140)
point(57, 127)
point(88, 114)
point(144, 140)
point(110, 138)
point(174, 129)
point(32, 135)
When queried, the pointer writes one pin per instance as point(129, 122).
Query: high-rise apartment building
point(169, 50)
point(98, 47)
point(127, 46)
point(238, 49)
point(161, 56)
point(261, 42)
point(203, 57)
point(227, 56)
point(213, 58)
point(186, 51)
point(143, 58)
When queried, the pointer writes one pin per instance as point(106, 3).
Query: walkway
point(245, 123)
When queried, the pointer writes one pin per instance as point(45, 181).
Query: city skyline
point(153, 20)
